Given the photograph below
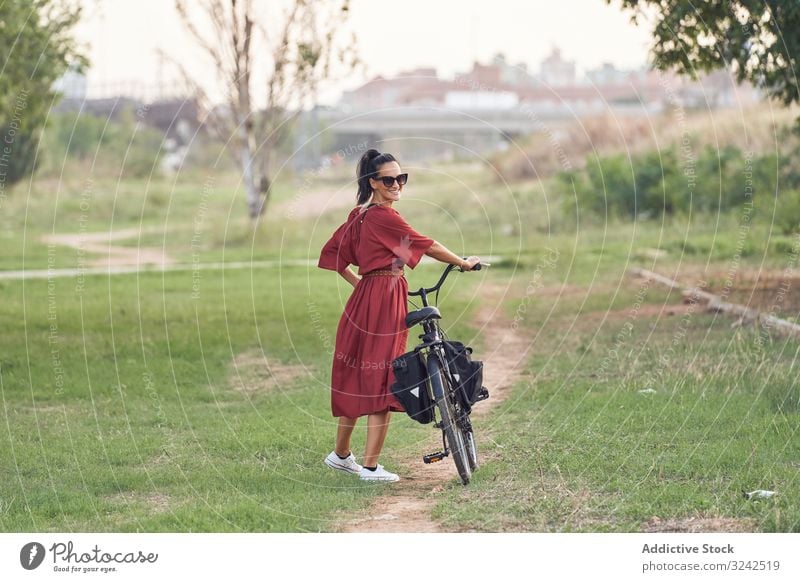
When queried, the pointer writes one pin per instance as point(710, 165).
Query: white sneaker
point(348, 465)
point(379, 474)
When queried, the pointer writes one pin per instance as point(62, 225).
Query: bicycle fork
point(445, 378)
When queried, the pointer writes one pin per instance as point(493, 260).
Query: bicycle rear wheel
point(452, 432)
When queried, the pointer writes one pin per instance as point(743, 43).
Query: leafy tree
point(757, 40)
point(35, 49)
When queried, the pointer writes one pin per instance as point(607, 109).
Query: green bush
point(77, 136)
point(118, 147)
point(787, 215)
point(678, 182)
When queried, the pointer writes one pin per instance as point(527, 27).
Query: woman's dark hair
point(368, 168)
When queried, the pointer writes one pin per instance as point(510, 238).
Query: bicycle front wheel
point(452, 432)
point(472, 449)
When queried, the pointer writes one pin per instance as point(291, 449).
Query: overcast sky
point(122, 36)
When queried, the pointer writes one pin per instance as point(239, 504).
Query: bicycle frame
point(455, 424)
point(432, 337)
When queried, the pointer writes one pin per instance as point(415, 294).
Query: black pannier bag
point(411, 387)
point(467, 373)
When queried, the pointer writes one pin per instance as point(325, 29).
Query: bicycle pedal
point(483, 394)
point(434, 457)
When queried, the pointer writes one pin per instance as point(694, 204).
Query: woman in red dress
point(372, 330)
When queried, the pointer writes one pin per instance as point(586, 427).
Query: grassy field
point(144, 403)
point(129, 405)
point(638, 413)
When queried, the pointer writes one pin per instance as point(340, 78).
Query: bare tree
point(289, 58)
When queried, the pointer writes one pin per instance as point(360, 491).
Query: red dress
point(372, 329)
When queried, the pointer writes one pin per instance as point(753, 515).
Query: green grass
point(124, 416)
point(202, 218)
point(121, 413)
point(578, 447)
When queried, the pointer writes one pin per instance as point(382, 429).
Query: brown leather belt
point(385, 272)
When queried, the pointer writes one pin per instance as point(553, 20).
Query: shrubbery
point(678, 181)
point(118, 147)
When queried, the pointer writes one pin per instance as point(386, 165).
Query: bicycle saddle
point(420, 315)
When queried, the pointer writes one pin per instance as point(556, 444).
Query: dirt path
point(314, 203)
point(110, 255)
point(406, 506)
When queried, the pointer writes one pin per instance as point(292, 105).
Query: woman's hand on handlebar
point(469, 263)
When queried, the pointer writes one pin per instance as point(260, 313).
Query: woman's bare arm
point(437, 251)
point(442, 253)
point(350, 276)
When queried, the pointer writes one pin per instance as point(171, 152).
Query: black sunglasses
point(388, 181)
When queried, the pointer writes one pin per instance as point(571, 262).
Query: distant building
point(513, 75)
point(557, 88)
point(467, 100)
point(485, 107)
point(557, 72)
point(607, 74)
point(419, 86)
point(498, 75)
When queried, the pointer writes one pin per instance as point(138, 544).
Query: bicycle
point(458, 437)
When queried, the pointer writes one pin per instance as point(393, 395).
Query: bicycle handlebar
point(447, 270)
